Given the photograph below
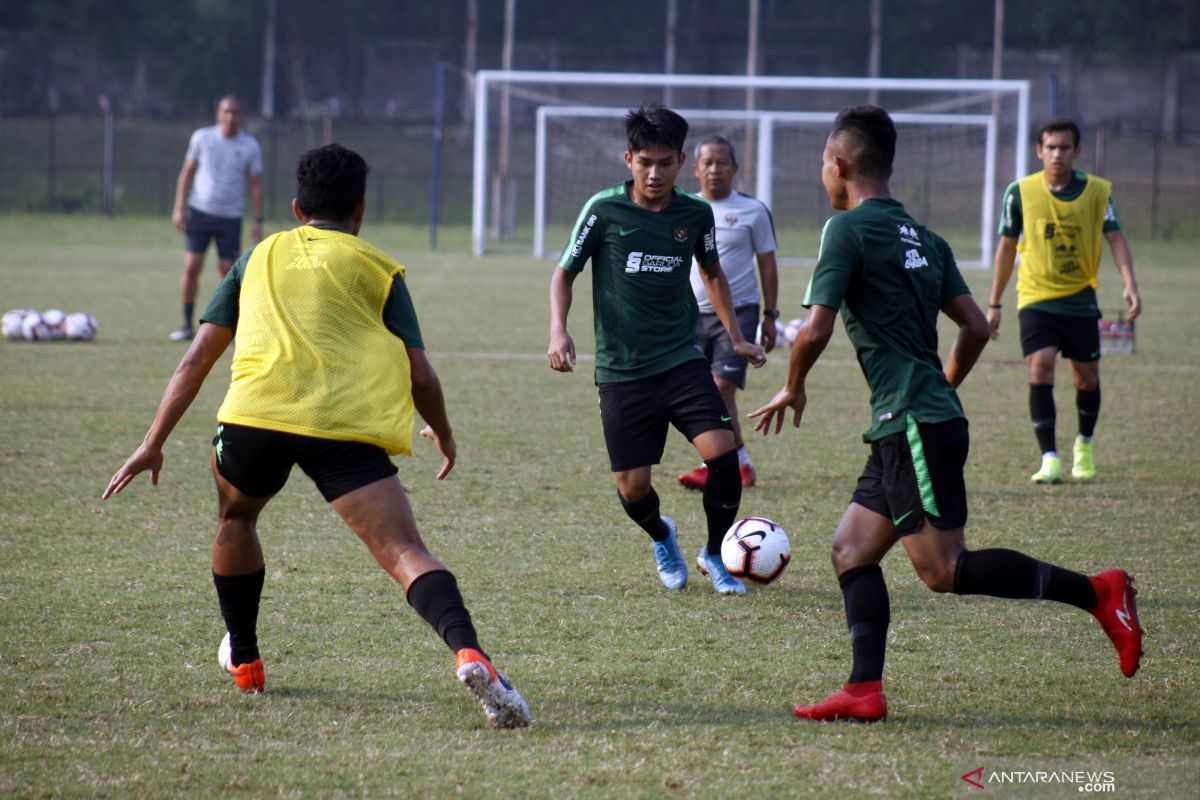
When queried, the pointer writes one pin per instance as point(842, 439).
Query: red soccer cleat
point(749, 476)
point(1116, 611)
point(694, 479)
point(855, 702)
point(250, 678)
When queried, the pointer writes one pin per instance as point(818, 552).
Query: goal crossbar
point(765, 145)
point(485, 79)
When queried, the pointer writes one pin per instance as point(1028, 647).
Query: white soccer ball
point(791, 330)
point(34, 328)
point(80, 326)
point(10, 325)
point(756, 548)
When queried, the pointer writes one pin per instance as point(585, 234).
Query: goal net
point(546, 141)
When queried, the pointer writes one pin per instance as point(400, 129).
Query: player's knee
point(633, 488)
point(937, 574)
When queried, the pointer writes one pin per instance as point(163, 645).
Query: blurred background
point(98, 97)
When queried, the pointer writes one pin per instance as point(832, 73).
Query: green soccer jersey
point(642, 298)
point(890, 277)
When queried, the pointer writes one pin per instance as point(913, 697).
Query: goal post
point(767, 124)
point(780, 130)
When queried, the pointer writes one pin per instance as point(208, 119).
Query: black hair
point(330, 182)
point(1056, 124)
point(717, 139)
point(872, 134)
point(653, 125)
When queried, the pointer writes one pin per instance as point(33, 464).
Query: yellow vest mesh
point(1061, 240)
point(312, 355)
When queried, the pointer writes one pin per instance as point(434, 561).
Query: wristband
point(993, 305)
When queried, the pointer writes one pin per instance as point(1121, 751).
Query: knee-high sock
point(238, 596)
point(722, 497)
point(868, 613)
point(1087, 404)
point(1006, 573)
point(436, 598)
point(1043, 414)
point(645, 513)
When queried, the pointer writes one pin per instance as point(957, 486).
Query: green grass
point(109, 625)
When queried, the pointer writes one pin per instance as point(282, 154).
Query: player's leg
point(711, 338)
point(229, 243)
point(697, 410)
point(863, 537)
point(635, 433)
point(1040, 343)
point(198, 232)
point(380, 514)
point(1084, 358)
point(246, 476)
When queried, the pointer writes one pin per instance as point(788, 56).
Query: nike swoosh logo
point(726, 419)
point(626, 231)
point(897, 520)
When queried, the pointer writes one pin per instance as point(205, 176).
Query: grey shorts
point(718, 347)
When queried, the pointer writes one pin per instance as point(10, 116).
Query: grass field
point(109, 625)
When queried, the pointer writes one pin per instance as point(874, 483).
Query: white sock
point(1084, 439)
point(743, 456)
point(1050, 454)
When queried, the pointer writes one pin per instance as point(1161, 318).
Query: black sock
point(1006, 573)
point(238, 596)
point(645, 513)
point(1088, 406)
point(868, 612)
point(1043, 413)
point(722, 497)
point(188, 310)
point(436, 598)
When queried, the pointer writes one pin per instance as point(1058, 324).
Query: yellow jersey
point(1061, 242)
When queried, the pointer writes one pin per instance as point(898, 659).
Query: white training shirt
point(744, 229)
point(220, 184)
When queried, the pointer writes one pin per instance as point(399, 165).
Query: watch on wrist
point(771, 313)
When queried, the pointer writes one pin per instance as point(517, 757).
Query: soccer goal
point(546, 141)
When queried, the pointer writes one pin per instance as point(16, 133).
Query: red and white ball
point(757, 549)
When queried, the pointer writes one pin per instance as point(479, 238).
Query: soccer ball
point(54, 320)
point(756, 548)
point(34, 328)
point(791, 329)
point(10, 325)
point(80, 326)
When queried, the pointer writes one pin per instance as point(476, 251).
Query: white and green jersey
point(641, 296)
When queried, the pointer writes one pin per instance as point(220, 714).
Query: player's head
point(655, 155)
point(715, 165)
point(331, 185)
point(1058, 146)
point(860, 148)
point(230, 114)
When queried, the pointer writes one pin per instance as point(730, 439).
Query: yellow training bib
point(1061, 240)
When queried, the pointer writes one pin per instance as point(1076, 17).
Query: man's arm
point(431, 405)
point(721, 298)
point(973, 334)
point(768, 275)
point(1002, 267)
point(182, 186)
point(256, 199)
point(206, 348)
point(561, 352)
point(1123, 257)
point(810, 342)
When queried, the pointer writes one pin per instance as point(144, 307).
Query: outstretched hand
point(144, 458)
point(776, 410)
point(446, 447)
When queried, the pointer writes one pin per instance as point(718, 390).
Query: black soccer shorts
point(636, 414)
point(258, 461)
point(718, 347)
point(917, 474)
point(202, 228)
point(1077, 338)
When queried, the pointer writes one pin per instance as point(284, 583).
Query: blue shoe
point(672, 569)
point(714, 568)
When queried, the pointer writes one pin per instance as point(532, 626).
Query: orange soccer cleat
point(250, 678)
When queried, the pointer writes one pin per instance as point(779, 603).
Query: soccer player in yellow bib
point(1055, 220)
point(328, 370)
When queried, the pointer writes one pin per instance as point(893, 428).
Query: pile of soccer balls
point(42, 326)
